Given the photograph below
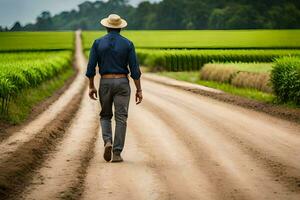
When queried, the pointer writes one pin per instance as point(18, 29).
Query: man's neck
point(114, 32)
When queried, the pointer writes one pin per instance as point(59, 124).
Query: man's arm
point(93, 90)
point(135, 74)
point(91, 72)
point(139, 93)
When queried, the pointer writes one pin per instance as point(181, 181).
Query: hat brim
point(104, 22)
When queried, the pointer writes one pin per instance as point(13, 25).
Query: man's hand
point(138, 97)
point(93, 93)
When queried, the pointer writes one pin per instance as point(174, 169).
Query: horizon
point(27, 11)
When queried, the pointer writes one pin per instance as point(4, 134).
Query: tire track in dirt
point(132, 179)
point(283, 138)
point(164, 110)
point(169, 157)
point(283, 171)
point(225, 187)
point(63, 173)
point(16, 170)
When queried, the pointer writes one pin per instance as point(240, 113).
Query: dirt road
point(179, 145)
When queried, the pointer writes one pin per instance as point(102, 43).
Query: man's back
point(114, 53)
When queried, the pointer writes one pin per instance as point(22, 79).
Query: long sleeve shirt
point(113, 54)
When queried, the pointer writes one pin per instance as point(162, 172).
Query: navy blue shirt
point(113, 54)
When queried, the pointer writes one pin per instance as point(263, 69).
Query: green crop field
point(25, 70)
point(34, 41)
point(207, 39)
point(186, 60)
point(28, 59)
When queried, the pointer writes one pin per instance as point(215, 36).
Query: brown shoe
point(107, 151)
point(117, 157)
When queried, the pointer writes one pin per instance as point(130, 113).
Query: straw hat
point(114, 21)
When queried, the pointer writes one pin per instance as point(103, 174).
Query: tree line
point(174, 15)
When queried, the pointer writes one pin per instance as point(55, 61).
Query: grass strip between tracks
point(247, 98)
point(193, 77)
point(16, 171)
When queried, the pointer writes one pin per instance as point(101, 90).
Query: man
point(114, 53)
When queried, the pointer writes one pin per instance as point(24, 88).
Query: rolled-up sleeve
point(134, 67)
point(91, 67)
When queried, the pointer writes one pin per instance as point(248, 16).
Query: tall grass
point(239, 74)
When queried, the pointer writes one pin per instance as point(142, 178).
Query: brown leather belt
point(114, 76)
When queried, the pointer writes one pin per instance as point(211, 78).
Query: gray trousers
point(114, 91)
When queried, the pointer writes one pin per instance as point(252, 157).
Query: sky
point(26, 11)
